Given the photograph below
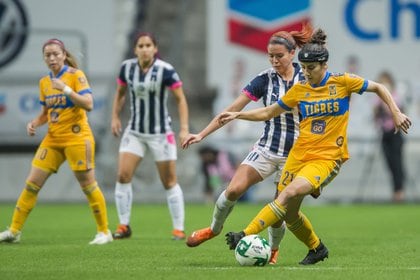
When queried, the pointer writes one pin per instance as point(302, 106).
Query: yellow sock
point(24, 205)
point(270, 214)
point(97, 204)
point(303, 230)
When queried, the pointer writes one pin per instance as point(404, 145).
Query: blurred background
point(217, 47)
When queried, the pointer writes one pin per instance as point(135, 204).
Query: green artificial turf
point(365, 242)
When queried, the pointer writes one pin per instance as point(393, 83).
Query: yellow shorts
point(79, 157)
point(318, 172)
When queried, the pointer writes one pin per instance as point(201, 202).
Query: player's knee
point(32, 186)
point(124, 177)
point(290, 193)
point(234, 192)
point(169, 182)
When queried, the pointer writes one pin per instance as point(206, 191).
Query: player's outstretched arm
point(260, 114)
point(240, 102)
point(191, 139)
point(401, 121)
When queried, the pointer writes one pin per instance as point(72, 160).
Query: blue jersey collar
point(64, 69)
point(324, 80)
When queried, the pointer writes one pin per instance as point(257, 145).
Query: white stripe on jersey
point(280, 132)
point(149, 95)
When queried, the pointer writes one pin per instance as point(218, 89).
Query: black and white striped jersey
point(280, 132)
point(148, 95)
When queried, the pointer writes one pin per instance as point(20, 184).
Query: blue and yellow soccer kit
point(322, 144)
point(69, 135)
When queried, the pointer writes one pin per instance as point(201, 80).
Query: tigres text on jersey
point(325, 114)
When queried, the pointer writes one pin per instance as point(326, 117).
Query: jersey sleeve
point(122, 80)
point(257, 88)
point(171, 78)
point(81, 83)
point(355, 83)
point(289, 100)
point(41, 94)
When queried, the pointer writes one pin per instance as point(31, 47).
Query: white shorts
point(265, 162)
point(162, 146)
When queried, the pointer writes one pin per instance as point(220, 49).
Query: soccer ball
point(253, 250)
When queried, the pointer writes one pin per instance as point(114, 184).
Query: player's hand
point(402, 122)
point(183, 134)
point(116, 127)
point(225, 117)
point(30, 129)
point(191, 139)
point(57, 84)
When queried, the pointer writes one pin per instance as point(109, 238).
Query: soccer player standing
point(148, 80)
point(65, 96)
point(323, 101)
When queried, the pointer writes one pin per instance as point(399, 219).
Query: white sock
point(175, 199)
point(221, 211)
point(275, 235)
point(124, 200)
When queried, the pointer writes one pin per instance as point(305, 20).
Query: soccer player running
point(271, 150)
point(149, 80)
point(65, 96)
point(317, 155)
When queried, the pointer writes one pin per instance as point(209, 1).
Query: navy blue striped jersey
point(280, 132)
point(149, 95)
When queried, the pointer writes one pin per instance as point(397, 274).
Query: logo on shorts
point(318, 126)
point(80, 162)
point(339, 141)
point(125, 141)
point(75, 128)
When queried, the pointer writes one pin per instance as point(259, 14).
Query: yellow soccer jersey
point(325, 115)
point(67, 123)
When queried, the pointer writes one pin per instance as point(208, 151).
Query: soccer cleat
point(232, 239)
point(9, 236)
point(315, 255)
point(123, 231)
point(178, 234)
point(200, 236)
point(102, 238)
point(274, 256)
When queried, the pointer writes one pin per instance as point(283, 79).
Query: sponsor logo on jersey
point(332, 89)
point(54, 116)
point(75, 128)
point(340, 141)
point(318, 126)
point(82, 80)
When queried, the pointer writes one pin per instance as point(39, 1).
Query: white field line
point(306, 268)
